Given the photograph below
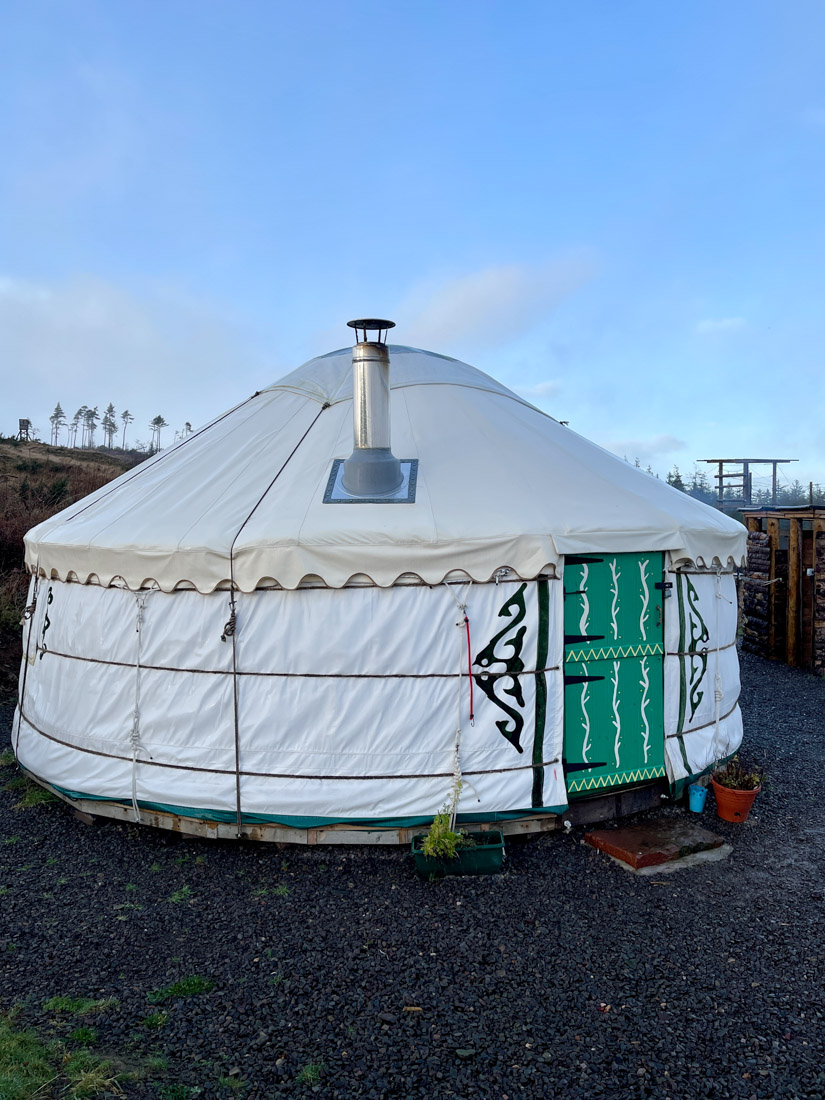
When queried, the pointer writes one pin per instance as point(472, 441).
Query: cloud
point(646, 449)
point(710, 327)
point(492, 306)
point(87, 341)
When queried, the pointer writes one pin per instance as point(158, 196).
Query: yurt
point(379, 578)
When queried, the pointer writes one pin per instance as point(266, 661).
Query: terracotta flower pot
point(733, 805)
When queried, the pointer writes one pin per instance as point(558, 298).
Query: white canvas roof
point(499, 484)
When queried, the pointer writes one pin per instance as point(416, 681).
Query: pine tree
point(109, 425)
point(674, 478)
point(57, 420)
point(700, 487)
point(91, 417)
point(79, 420)
point(156, 424)
point(127, 418)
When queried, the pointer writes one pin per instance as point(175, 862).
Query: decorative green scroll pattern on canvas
point(541, 691)
point(505, 649)
point(513, 609)
point(693, 657)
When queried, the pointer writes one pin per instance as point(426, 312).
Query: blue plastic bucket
point(696, 797)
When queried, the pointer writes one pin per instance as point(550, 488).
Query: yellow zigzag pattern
point(614, 779)
point(607, 652)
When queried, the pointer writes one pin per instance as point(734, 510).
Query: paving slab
point(654, 843)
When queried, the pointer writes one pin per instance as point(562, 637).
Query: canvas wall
point(347, 700)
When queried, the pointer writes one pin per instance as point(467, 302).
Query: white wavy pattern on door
point(614, 589)
point(643, 617)
point(617, 718)
point(645, 685)
point(585, 619)
point(585, 717)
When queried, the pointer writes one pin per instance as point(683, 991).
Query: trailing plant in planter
point(736, 776)
point(445, 850)
point(443, 840)
point(736, 786)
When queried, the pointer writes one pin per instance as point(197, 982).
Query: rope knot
point(229, 629)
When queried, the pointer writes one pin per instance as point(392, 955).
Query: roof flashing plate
point(405, 493)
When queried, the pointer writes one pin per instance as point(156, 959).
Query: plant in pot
point(445, 850)
point(736, 786)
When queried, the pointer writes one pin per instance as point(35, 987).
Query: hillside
point(36, 481)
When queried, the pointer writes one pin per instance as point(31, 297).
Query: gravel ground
point(713, 977)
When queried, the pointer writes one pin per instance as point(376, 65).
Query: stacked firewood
point(756, 594)
point(819, 604)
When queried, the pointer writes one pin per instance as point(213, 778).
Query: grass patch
point(25, 1066)
point(28, 1068)
point(88, 1075)
point(311, 1073)
point(84, 1036)
point(157, 1063)
point(183, 894)
point(155, 868)
point(33, 794)
point(123, 911)
point(79, 1006)
point(184, 987)
point(156, 1020)
point(236, 1084)
point(6, 758)
point(178, 1092)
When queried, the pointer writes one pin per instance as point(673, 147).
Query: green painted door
point(613, 670)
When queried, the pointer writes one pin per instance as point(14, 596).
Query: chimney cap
point(371, 324)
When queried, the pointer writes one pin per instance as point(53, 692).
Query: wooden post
point(754, 524)
point(773, 532)
point(794, 567)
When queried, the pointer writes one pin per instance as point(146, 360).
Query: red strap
point(469, 666)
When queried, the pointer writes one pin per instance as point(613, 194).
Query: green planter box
point(485, 858)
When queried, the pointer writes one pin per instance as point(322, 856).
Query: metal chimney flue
point(372, 470)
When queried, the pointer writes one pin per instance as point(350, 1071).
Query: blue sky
point(614, 207)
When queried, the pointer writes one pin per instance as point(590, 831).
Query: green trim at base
point(614, 779)
point(301, 822)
